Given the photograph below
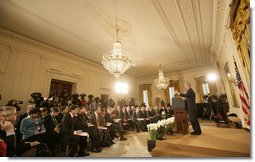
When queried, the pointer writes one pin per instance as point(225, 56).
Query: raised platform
point(214, 142)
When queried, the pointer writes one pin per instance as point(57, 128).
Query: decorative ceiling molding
point(220, 21)
point(200, 32)
point(185, 11)
point(172, 32)
point(169, 27)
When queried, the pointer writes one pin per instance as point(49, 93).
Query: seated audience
point(69, 130)
point(52, 127)
point(104, 132)
point(18, 122)
point(90, 129)
point(13, 147)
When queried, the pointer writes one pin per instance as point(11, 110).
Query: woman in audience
point(18, 122)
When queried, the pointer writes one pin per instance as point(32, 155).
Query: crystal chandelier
point(162, 82)
point(116, 61)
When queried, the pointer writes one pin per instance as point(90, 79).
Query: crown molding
point(36, 44)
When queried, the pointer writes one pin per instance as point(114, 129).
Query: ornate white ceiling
point(174, 33)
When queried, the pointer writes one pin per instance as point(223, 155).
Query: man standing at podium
point(190, 97)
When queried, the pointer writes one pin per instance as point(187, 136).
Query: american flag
point(245, 100)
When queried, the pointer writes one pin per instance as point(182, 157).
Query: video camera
point(15, 103)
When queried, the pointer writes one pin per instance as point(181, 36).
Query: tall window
point(171, 94)
point(145, 97)
point(205, 88)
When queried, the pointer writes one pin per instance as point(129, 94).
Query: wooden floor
point(214, 142)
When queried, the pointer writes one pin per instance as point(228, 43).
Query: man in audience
point(44, 112)
point(149, 114)
point(137, 119)
point(145, 117)
point(63, 111)
point(98, 121)
point(113, 126)
point(70, 133)
point(91, 130)
point(52, 127)
point(128, 115)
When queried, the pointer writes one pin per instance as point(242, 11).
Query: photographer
point(76, 100)
point(36, 99)
point(15, 104)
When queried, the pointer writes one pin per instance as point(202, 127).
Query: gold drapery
point(148, 88)
point(240, 28)
point(176, 85)
point(212, 88)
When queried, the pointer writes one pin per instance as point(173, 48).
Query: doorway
point(59, 86)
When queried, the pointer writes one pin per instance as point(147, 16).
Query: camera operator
point(64, 98)
point(76, 100)
point(36, 99)
point(15, 103)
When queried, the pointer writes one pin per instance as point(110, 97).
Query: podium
point(180, 114)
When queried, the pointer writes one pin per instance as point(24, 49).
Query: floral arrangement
point(156, 129)
point(153, 128)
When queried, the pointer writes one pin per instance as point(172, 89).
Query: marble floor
point(135, 146)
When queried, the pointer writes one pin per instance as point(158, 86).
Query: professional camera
point(75, 100)
point(36, 99)
point(83, 96)
point(98, 100)
point(111, 102)
point(15, 103)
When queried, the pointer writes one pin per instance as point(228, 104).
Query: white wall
point(28, 66)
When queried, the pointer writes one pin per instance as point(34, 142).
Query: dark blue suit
point(192, 110)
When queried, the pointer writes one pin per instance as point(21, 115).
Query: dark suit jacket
point(190, 98)
point(17, 126)
point(94, 120)
point(144, 114)
point(49, 124)
point(81, 122)
point(119, 115)
point(108, 118)
point(129, 114)
point(149, 113)
point(68, 125)
point(136, 116)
